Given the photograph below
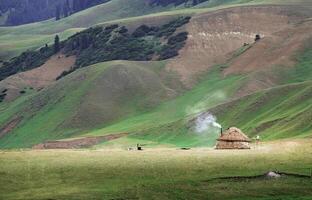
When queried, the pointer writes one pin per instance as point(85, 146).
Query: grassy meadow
point(157, 173)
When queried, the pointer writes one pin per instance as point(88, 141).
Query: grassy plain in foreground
point(157, 173)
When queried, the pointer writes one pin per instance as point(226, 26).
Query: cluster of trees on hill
point(99, 44)
point(114, 42)
point(176, 2)
point(27, 11)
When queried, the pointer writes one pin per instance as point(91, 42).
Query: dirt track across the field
point(78, 143)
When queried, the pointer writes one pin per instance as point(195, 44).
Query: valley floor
point(158, 173)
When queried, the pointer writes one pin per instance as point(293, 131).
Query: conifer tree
point(56, 44)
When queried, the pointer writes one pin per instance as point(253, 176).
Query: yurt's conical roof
point(234, 134)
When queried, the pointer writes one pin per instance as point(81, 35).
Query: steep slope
point(107, 43)
point(40, 68)
point(37, 78)
point(15, 40)
point(92, 97)
point(147, 100)
point(27, 11)
point(23, 12)
point(215, 36)
point(282, 112)
point(278, 113)
point(168, 123)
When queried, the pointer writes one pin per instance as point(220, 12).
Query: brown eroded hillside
point(215, 37)
point(37, 78)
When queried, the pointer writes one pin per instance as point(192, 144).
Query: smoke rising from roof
point(205, 122)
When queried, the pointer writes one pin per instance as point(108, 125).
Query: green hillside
point(265, 113)
point(133, 100)
point(88, 105)
point(147, 100)
point(73, 107)
point(280, 112)
point(91, 97)
point(15, 40)
point(283, 112)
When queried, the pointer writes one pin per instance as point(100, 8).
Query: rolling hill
point(130, 103)
point(22, 12)
point(17, 39)
point(264, 87)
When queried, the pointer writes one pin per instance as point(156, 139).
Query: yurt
point(233, 138)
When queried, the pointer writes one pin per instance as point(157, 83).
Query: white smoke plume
point(205, 122)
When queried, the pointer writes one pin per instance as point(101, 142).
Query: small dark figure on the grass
point(139, 148)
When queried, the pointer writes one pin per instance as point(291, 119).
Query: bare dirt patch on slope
point(271, 54)
point(7, 128)
point(214, 36)
point(37, 78)
point(276, 50)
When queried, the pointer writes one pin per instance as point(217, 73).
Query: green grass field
point(157, 173)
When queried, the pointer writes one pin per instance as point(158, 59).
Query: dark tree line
point(27, 11)
point(99, 44)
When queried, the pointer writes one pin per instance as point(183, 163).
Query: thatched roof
point(234, 134)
